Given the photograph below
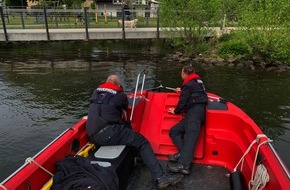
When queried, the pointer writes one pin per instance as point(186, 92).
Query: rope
point(242, 158)
point(261, 176)
point(248, 150)
point(2, 186)
point(30, 160)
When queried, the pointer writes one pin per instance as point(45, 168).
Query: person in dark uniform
point(192, 101)
point(105, 126)
point(127, 12)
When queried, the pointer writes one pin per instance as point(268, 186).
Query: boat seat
point(119, 156)
point(109, 152)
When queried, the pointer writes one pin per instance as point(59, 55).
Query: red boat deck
point(225, 137)
point(157, 123)
point(202, 177)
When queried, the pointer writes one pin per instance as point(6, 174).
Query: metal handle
point(136, 89)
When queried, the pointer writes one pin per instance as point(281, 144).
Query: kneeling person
point(106, 127)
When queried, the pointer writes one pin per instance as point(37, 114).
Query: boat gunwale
point(40, 152)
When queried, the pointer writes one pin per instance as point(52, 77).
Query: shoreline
point(254, 63)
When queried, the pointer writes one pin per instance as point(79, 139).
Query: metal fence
point(72, 18)
point(47, 18)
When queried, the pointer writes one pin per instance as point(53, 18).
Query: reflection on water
point(45, 88)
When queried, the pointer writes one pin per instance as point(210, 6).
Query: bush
point(281, 50)
point(235, 47)
point(227, 37)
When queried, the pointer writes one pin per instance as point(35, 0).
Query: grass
point(14, 21)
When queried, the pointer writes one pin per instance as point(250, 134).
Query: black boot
point(173, 157)
point(168, 179)
point(177, 167)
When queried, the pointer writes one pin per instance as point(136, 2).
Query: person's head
point(114, 79)
point(186, 70)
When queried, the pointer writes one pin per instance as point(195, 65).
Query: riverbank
point(206, 60)
point(255, 63)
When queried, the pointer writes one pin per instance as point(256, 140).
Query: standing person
point(192, 101)
point(106, 127)
point(127, 12)
point(79, 17)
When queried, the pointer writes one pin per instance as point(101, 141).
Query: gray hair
point(114, 79)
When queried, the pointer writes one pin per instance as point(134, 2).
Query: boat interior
point(133, 174)
point(229, 150)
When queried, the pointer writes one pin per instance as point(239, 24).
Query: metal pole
point(46, 23)
point(3, 23)
point(22, 15)
point(123, 23)
point(86, 22)
point(158, 32)
point(56, 17)
point(56, 21)
point(135, 94)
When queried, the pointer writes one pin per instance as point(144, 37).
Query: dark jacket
point(106, 106)
point(192, 92)
point(77, 173)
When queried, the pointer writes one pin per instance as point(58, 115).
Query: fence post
point(22, 19)
point(158, 32)
point(147, 15)
point(86, 23)
point(123, 23)
point(56, 19)
point(46, 23)
point(3, 23)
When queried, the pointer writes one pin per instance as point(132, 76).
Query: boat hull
point(225, 137)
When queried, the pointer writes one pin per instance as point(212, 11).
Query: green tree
point(265, 27)
point(262, 25)
point(17, 3)
point(57, 3)
point(73, 3)
point(189, 22)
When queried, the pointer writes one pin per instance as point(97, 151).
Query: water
point(45, 88)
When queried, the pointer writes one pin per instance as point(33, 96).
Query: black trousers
point(185, 133)
point(123, 135)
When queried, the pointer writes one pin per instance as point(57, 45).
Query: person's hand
point(178, 89)
point(171, 110)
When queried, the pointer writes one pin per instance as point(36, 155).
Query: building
point(113, 7)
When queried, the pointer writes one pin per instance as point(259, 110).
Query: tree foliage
point(190, 20)
point(68, 3)
point(266, 27)
point(14, 3)
point(263, 25)
point(73, 3)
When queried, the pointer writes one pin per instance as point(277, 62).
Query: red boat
point(232, 151)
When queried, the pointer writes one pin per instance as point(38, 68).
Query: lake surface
point(45, 88)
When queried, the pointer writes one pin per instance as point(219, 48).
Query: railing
point(280, 161)
point(144, 71)
point(74, 18)
point(46, 18)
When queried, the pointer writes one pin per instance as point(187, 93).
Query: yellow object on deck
point(83, 152)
